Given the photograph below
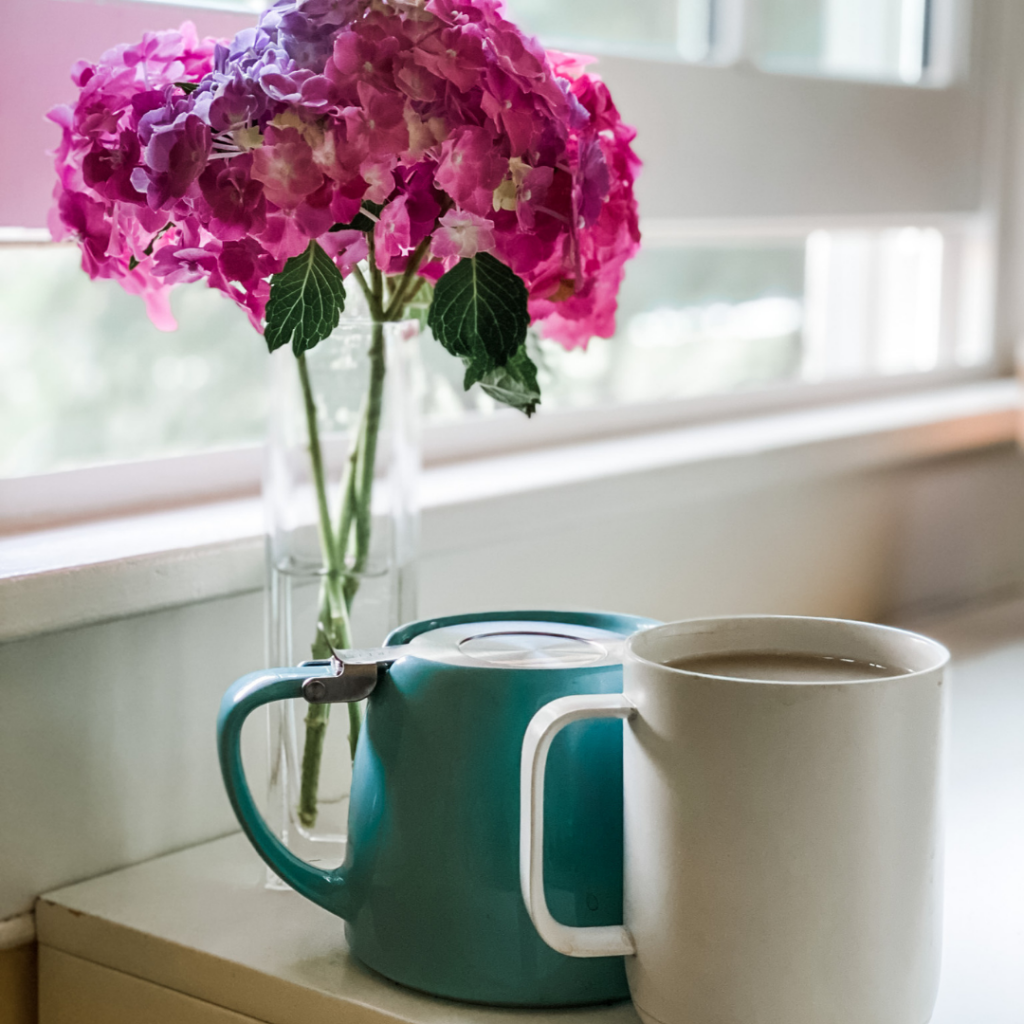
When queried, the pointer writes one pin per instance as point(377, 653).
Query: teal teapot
point(429, 889)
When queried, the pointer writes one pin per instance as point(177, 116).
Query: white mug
point(783, 846)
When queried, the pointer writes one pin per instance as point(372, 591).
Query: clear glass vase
point(341, 550)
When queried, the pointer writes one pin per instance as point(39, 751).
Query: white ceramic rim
point(941, 655)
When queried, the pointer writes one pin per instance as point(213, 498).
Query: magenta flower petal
point(462, 234)
point(471, 168)
point(237, 206)
point(285, 166)
point(462, 128)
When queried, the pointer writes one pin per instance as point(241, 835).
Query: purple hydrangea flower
point(183, 159)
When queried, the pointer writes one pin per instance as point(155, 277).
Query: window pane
point(655, 28)
point(876, 39)
point(703, 319)
point(85, 377)
point(692, 320)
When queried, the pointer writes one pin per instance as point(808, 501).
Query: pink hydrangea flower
point(461, 234)
point(285, 165)
point(471, 168)
point(393, 234)
point(467, 133)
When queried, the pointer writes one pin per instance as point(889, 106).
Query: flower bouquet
point(425, 152)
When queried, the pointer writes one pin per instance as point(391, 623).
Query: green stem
point(376, 279)
point(341, 580)
point(312, 755)
point(348, 495)
point(372, 301)
point(401, 296)
point(317, 460)
point(333, 628)
point(368, 449)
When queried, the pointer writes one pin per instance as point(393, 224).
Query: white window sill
point(75, 575)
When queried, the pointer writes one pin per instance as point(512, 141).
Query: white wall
point(107, 732)
point(866, 545)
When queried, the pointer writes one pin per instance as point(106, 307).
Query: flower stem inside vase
point(345, 549)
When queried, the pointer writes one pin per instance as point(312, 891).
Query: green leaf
point(148, 251)
point(361, 222)
point(187, 87)
point(479, 314)
point(306, 301)
point(515, 383)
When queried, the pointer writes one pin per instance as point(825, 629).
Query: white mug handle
point(546, 724)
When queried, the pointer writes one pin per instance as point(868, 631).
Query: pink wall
point(41, 40)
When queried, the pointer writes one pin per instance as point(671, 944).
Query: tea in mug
point(784, 667)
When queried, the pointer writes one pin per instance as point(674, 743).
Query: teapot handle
point(605, 940)
point(247, 694)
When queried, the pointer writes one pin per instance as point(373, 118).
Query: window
point(886, 40)
point(907, 41)
point(821, 197)
point(845, 148)
point(86, 378)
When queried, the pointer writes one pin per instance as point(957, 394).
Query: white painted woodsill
point(74, 575)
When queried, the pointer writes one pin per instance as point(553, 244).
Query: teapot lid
point(516, 644)
point(509, 644)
